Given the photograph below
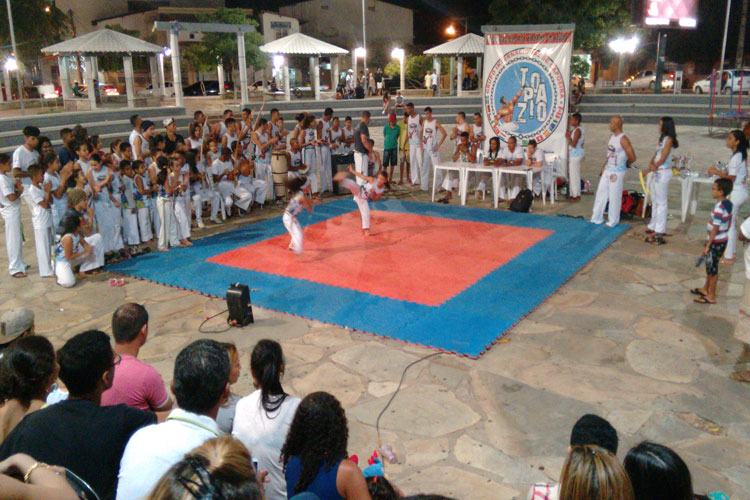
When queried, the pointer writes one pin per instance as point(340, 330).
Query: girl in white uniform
point(143, 199)
point(168, 187)
point(222, 170)
point(297, 201)
point(182, 210)
point(59, 182)
point(373, 189)
point(10, 209)
point(99, 178)
point(661, 167)
point(619, 154)
point(736, 171)
point(72, 250)
point(576, 154)
point(129, 205)
point(492, 158)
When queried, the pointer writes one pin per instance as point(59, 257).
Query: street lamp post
point(364, 39)
point(399, 54)
point(623, 46)
point(359, 52)
point(15, 52)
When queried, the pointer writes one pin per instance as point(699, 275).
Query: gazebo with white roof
point(469, 45)
point(298, 44)
point(104, 42)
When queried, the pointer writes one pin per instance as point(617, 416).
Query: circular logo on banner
point(525, 95)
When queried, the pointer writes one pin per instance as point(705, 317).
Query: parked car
point(149, 91)
point(732, 81)
point(647, 80)
point(207, 87)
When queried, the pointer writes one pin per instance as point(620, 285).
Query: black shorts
point(390, 157)
point(715, 253)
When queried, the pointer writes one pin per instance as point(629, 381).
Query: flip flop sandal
point(19, 275)
point(656, 240)
point(697, 291)
point(703, 300)
point(116, 283)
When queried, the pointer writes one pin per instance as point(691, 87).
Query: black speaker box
point(238, 302)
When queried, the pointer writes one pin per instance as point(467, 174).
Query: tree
point(415, 67)
point(579, 66)
point(37, 24)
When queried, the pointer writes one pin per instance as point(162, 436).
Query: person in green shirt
point(390, 146)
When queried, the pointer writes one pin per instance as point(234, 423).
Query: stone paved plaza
point(622, 339)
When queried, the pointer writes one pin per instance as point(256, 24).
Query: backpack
point(522, 202)
point(630, 201)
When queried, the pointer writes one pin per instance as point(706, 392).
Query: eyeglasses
point(117, 359)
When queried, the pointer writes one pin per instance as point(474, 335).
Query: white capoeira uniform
point(22, 159)
point(231, 138)
point(659, 190)
point(225, 186)
point(195, 144)
point(41, 219)
point(430, 157)
point(362, 196)
point(293, 208)
point(182, 208)
point(59, 205)
point(414, 132)
point(575, 161)
point(324, 156)
point(103, 211)
point(348, 133)
point(138, 155)
point(511, 185)
point(491, 156)
point(611, 182)
point(738, 168)
point(130, 211)
point(249, 189)
point(201, 194)
point(11, 213)
point(115, 213)
point(168, 232)
point(449, 183)
point(153, 206)
point(311, 159)
point(64, 267)
point(143, 203)
point(477, 131)
point(295, 160)
point(262, 158)
point(336, 136)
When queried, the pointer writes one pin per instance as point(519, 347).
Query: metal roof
point(104, 41)
point(469, 44)
point(299, 44)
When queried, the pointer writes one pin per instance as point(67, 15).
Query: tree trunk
point(740, 57)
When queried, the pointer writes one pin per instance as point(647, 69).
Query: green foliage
point(223, 46)
point(579, 66)
point(33, 26)
point(417, 66)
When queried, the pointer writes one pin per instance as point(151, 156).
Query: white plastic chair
point(552, 169)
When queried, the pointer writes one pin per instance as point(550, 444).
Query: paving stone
point(422, 452)
point(481, 456)
point(455, 483)
point(661, 362)
point(330, 378)
point(377, 362)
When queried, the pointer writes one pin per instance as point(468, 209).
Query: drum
point(279, 169)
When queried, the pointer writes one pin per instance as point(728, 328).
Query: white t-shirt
point(538, 156)
point(40, 217)
point(22, 159)
point(265, 436)
point(218, 167)
point(8, 187)
point(434, 79)
point(737, 167)
point(413, 130)
point(509, 156)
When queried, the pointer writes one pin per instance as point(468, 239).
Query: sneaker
point(201, 225)
point(216, 221)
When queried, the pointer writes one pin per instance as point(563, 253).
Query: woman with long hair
point(661, 168)
point(27, 371)
point(593, 473)
point(262, 419)
point(315, 455)
point(219, 469)
point(225, 417)
point(658, 473)
point(736, 172)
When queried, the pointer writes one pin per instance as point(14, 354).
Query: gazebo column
point(480, 69)
point(334, 73)
point(354, 67)
point(154, 66)
point(129, 87)
point(316, 77)
point(243, 67)
point(287, 83)
point(67, 90)
point(453, 71)
point(90, 76)
point(162, 85)
point(176, 71)
point(436, 67)
point(220, 74)
point(460, 77)
point(8, 89)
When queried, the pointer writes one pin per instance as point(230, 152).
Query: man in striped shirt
point(717, 227)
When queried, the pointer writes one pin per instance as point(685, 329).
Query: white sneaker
point(216, 221)
point(201, 225)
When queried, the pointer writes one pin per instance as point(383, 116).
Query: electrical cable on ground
point(200, 328)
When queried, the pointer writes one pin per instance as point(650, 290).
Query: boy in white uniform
point(620, 154)
point(324, 149)
point(249, 189)
point(23, 157)
point(40, 195)
point(430, 147)
point(11, 191)
point(414, 133)
point(510, 185)
point(222, 170)
point(534, 160)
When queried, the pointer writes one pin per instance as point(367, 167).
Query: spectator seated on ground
point(23, 478)
point(136, 383)
point(588, 430)
point(27, 371)
point(14, 325)
point(315, 453)
point(78, 433)
point(221, 469)
point(201, 386)
point(593, 473)
point(658, 473)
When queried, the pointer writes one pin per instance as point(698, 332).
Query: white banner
point(527, 83)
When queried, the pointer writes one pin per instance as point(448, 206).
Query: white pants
point(324, 165)
point(168, 229)
point(13, 239)
point(115, 216)
point(745, 229)
point(311, 160)
point(226, 190)
point(154, 215)
point(415, 161)
point(364, 206)
point(430, 157)
point(130, 225)
point(574, 176)
point(511, 185)
point(295, 231)
point(659, 188)
point(360, 165)
point(264, 172)
point(206, 195)
point(43, 242)
point(609, 190)
point(95, 260)
point(738, 197)
point(104, 223)
point(449, 182)
point(247, 192)
point(59, 206)
point(182, 216)
point(144, 224)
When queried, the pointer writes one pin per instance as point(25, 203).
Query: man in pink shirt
point(136, 383)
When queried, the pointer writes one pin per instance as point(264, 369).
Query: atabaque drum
point(279, 169)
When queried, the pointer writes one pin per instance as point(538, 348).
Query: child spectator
point(593, 473)
point(225, 417)
point(99, 178)
point(143, 199)
point(59, 181)
point(41, 218)
point(73, 250)
point(82, 151)
point(658, 473)
point(718, 234)
point(168, 234)
point(11, 191)
point(381, 489)
point(129, 206)
point(222, 170)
